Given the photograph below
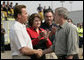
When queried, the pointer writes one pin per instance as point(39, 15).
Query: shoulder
point(28, 29)
point(16, 26)
point(43, 25)
point(71, 27)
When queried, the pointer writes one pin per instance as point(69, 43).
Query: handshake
point(39, 53)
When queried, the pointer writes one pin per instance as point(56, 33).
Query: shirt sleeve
point(19, 39)
point(72, 42)
point(53, 45)
point(49, 43)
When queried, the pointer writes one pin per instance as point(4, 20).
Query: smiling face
point(23, 16)
point(61, 14)
point(36, 22)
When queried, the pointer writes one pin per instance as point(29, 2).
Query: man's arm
point(28, 51)
point(69, 57)
point(72, 42)
point(47, 51)
point(21, 44)
point(53, 30)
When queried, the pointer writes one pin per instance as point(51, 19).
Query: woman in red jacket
point(38, 35)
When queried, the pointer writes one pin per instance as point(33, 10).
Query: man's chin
point(49, 23)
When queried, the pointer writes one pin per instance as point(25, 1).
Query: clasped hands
point(44, 34)
point(47, 33)
point(39, 53)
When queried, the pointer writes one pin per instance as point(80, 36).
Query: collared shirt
point(19, 38)
point(46, 26)
point(66, 40)
point(34, 36)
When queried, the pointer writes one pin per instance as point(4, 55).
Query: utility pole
point(52, 5)
point(71, 5)
point(62, 2)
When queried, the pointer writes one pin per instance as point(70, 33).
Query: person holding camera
point(38, 35)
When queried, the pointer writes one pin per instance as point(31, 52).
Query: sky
point(32, 5)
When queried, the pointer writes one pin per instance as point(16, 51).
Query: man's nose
point(48, 17)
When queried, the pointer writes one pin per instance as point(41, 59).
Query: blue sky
point(32, 5)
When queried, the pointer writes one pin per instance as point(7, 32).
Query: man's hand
point(38, 53)
point(53, 29)
point(69, 57)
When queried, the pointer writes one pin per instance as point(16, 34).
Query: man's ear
point(19, 15)
point(62, 16)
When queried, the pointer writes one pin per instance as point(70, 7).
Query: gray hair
point(62, 11)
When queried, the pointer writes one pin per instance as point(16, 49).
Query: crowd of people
point(30, 38)
point(7, 10)
point(41, 10)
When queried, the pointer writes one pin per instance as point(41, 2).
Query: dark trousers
point(35, 57)
point(2, 45)
point(75, 56)
point(80, 42)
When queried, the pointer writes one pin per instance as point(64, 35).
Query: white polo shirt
point(19, 38)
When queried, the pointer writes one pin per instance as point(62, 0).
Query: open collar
point(63, 26)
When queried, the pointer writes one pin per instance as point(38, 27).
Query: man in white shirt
point(21, 45)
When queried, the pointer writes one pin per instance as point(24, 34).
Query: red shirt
point(34, 36)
